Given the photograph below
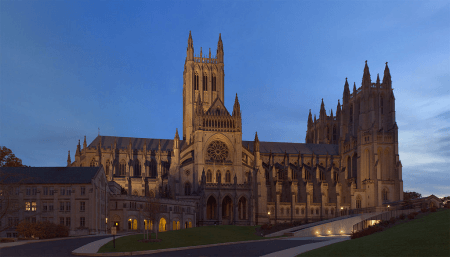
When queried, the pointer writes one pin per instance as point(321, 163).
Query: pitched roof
point(294, 148)
point(136, 143)
point(48, 175)
point(264, 147)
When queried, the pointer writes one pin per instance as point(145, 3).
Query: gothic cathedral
point(349, 161)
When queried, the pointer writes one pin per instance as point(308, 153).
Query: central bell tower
point(203, 81)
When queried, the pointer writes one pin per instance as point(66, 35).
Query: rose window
point(217, 151)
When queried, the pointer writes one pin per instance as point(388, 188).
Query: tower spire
point(220, 49)
point(256, 143)
point(366, 81)
point(190, 48)
point(387, 77)
point(68, 160)
point(378, 79)
point(323, 112)
point(236, 107)
point(346, 95)
point(310, 119)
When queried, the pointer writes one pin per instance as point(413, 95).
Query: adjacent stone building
point(349, 161)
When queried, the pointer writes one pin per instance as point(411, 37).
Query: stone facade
point(349, 161)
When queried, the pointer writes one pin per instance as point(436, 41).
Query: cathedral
point(349, 161)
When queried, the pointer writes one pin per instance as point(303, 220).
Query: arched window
point(312, 211)
point(328, 133)
point(294, 174)
point(122, 168)
point(187, 188)
point(358, 202)
point(162, 225)
point(214, 82)
point(205, 82)
point(381, 105)
point(332, 211)
point(334, 133)
point(349, 167)
point(287, 210)
point(196, 81)
point(92, 164)
point(297, 211)
point(303, 211)
point(107, 168)
point(209, 176)
point(228, 177)
point(385, 195)
point(282, 211)
point(326, 211)
point(351, 113)
point(217, 176)
point(137, 169)
point(153, 168)
point(317, 211)
point(307, 175)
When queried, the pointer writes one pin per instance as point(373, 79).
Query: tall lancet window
point(196, 81)
point(351, 113)
point(214, 83)
point(381, 105)
point(137, 169)
point(205, 82)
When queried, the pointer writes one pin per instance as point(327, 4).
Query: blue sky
point(71, 67)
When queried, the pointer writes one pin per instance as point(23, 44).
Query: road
point(58, 248)
point(63, 248)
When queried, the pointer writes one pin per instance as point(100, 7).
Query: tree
point(152, 211)
point(9, 186)
point(8, 159)
point(411, 195)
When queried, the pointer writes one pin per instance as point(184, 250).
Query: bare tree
point(152, 211)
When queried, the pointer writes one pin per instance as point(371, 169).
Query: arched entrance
point(242, 208)
point(227, 210)
point(211, 206)
point(116, 222)
point(162, 225)
point(132, 223)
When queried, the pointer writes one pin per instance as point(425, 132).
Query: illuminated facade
point(349, 161)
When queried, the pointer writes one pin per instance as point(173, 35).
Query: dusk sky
point(68, 68)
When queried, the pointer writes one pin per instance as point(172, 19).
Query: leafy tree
point(411, 195)
point(9, 186)
point(8, 159)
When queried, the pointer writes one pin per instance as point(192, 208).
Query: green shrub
point(402, 216)
point(433, 209)
point(411, 216)
point(392, 220)
point(424, 210)
point(365, 232)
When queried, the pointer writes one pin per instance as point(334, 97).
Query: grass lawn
point(185, 237)
point(426, 236)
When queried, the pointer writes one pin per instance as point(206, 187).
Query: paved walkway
point(310, 243)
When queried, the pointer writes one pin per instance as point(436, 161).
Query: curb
point(22, 242)
point(171, 249)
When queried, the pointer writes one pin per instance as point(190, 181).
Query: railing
point(383, 216)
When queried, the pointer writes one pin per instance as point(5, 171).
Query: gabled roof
point(48, 175)
point(294, 148)
point(136, 143)
point(217, 104)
